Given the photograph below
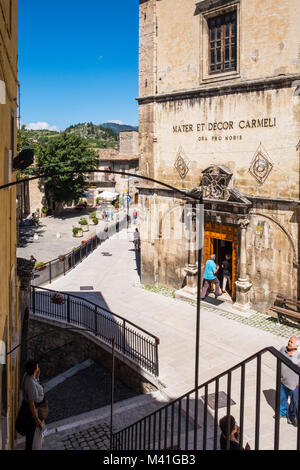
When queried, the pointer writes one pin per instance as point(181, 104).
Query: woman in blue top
point(210, 272)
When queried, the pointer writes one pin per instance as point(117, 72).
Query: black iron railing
point(62, 265)
point(244, 395)
point(133, 342)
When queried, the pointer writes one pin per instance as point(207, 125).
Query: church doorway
point(222, 240)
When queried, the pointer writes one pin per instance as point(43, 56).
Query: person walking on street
point(210, 272)
point(227, 269)
point(135, 214)
point(136, 239)
point(33, 261)
point(289, 381)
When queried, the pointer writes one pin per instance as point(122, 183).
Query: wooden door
point(221, 232)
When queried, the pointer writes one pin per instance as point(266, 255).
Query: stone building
point(10, 321)
point(126, 159)
point(219, 103)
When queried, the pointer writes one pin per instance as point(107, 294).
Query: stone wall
point(129, 142)
point(267, 37)
point(272, 252)
point(58, 349)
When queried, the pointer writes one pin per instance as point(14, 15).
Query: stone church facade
point(219, 103)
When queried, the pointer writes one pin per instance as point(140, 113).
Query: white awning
point(108, 196)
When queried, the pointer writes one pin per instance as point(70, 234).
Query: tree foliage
point(65, 153)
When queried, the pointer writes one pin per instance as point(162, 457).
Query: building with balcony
point(219, 105)
point(10, 321)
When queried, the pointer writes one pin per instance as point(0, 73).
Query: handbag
point(23, 417)
point(38, 439)
point(43, 409)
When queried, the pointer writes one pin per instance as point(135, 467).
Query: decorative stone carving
point(261, 165)
point(182, 164)
point(243, 223)
point(215, 183)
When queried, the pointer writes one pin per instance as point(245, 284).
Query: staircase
point(181, 425)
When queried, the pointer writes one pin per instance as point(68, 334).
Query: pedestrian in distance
point(289, 382)
point(210, 272)
point(234, 434)
point(33, 261)
point(135, 214)
point(136, 239)
point(227, 270)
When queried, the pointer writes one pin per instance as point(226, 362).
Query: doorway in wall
point(221, 240)
point(221, 248)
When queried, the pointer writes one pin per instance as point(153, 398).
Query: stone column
point(243, 284)
point(189, 291)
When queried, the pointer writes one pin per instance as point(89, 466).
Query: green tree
point(64, 153)
point(24, 139)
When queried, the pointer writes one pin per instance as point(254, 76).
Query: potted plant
point(40, 266)
point(97, 201)
point(57, 298)
point(84, 224)
point(35, 220)
point(77, 232)
point(93, 218)
point(44, 211)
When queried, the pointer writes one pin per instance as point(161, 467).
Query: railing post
point(68, 309)
point(124, 337)
point(33, 299)
point(156, 357)
point(50, 273)
point(96, 320)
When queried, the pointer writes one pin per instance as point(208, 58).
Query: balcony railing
point(135, 343)
point(182, 425)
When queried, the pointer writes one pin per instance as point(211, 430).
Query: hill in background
point(119, 127)
point(99, 136)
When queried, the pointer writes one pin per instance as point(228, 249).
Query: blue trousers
point(295, 400)
point(290, 411)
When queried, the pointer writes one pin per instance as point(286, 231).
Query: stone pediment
point(215, 186)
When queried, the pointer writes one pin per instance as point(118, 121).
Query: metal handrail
point(102, 308)
point(120, 439)
point(101, 322)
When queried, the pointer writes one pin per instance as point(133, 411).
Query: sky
point(78, 62)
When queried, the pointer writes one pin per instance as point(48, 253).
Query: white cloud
point(116, 122)
point(38, 126)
